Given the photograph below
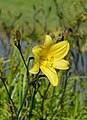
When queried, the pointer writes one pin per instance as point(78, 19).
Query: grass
point(67, 101)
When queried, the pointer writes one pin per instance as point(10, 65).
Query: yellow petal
point(59, 50)
point(46, 46)
point(35, 69)
point(48, 41)
point(61, 64)
point(37, 52)
point(50, 73)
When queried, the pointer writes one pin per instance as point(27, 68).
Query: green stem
point(19, 48)
point(9, 94)
point(32, 103)
point(25, 95)
point(43, 98)
point(60, 103)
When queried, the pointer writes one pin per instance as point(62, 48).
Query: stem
point(32, 102)
point(26, 92)
point(30, 58)
point(19, 48)
point(42, 107)
point(25, 95)
point(10, 110)
point(8, 94)
point(60, 103)
point(32, 82)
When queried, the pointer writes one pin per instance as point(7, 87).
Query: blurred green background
point(70, 9)
point(34, 19)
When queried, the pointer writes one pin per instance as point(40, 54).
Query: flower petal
point(48, 41)
point(59, 50)
point(61, 64)
point(50, 73)
point(37, 52)
point(35, 69)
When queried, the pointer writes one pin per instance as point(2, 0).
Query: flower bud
point(18, 35)
point(17, 38)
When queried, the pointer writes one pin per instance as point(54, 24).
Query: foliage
point(42, 101)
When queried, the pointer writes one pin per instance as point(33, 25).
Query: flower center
point(45, 61)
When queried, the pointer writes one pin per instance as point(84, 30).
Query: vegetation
point(24, 24)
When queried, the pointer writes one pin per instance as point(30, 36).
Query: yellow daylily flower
point(49, 57)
